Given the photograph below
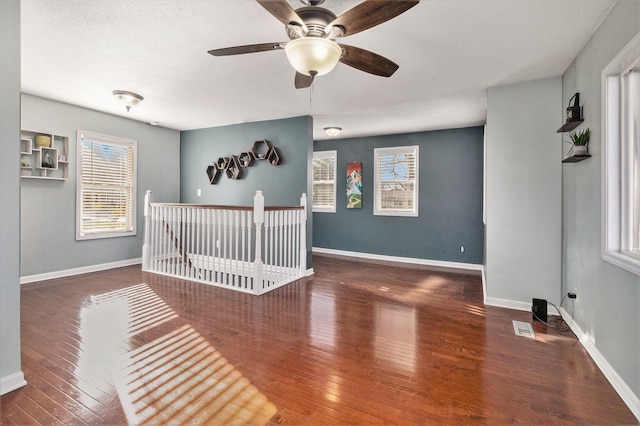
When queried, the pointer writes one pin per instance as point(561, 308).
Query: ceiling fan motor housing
point(315, 18)
point(312, 2)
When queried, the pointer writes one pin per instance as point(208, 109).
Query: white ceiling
point(449, 52)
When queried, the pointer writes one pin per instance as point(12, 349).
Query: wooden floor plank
point(357, 343)
point(59, 393)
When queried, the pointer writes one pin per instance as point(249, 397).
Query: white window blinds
point(324, 181)
point(106, 186)
point(396, 181)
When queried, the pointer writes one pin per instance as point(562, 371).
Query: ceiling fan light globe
point(313, 55)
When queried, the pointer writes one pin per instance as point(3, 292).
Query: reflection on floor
point(357, 343)
point(177, 378)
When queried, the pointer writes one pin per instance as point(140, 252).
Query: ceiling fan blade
point(283, 12)
point(303, 81)
point(367, 61)
point(249, 48)
point(369, 14)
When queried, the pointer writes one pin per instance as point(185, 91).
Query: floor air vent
point(523, 329)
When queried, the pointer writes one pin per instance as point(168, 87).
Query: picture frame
point(354, 185)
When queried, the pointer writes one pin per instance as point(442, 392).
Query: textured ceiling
point(449, 52)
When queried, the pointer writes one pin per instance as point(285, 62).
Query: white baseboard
point(77, 271)
point(12, 382)
point(630, 399)
point(506, 303)
point(484, 286)
point(626, 394)
point(398, 259)
point(309, 272)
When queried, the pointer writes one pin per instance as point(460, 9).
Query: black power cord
point(556, 322)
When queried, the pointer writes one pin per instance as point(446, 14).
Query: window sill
point(99, 235)
point(395, 213)
point(628, 262)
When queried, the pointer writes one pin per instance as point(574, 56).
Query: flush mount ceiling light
point(333, 131)
point(313, 56)
point(128, 99)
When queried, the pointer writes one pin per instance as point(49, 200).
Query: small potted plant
point(580, 141)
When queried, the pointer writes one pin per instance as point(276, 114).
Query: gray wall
point(450, 199)
point(608, 305)
point(524, 192)
point(281, 185)
point(48, 207)
point(10, 195)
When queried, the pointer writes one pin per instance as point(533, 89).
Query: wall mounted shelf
point(576, 158)
point(44, 162)
point(233, 166)
point(574, 115)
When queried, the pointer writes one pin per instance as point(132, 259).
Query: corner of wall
point(12, 382)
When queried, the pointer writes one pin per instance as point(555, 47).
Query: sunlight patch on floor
point(138, 304)
point(432, 283)
point(181, 379)
point(476, 310)
point(178, 378)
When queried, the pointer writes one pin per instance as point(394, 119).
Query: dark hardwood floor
point(357, 343)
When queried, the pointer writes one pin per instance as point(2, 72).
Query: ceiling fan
point(312, 30)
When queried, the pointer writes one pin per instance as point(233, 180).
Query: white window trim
point(616, 172)
point(377, 211)
point(111, 140)
point(334, 155)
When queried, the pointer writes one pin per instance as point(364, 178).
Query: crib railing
point(250, 249)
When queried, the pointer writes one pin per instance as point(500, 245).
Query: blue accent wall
point(450, 199)
point(281, 185)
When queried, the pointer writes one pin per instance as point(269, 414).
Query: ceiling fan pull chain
point(310, 97)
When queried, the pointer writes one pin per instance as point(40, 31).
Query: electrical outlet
point(461, 249)
point(198, 192)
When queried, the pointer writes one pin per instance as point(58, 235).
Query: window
point(396, 181)
point(106, 186)
point(324, 181)
point(621, 201)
